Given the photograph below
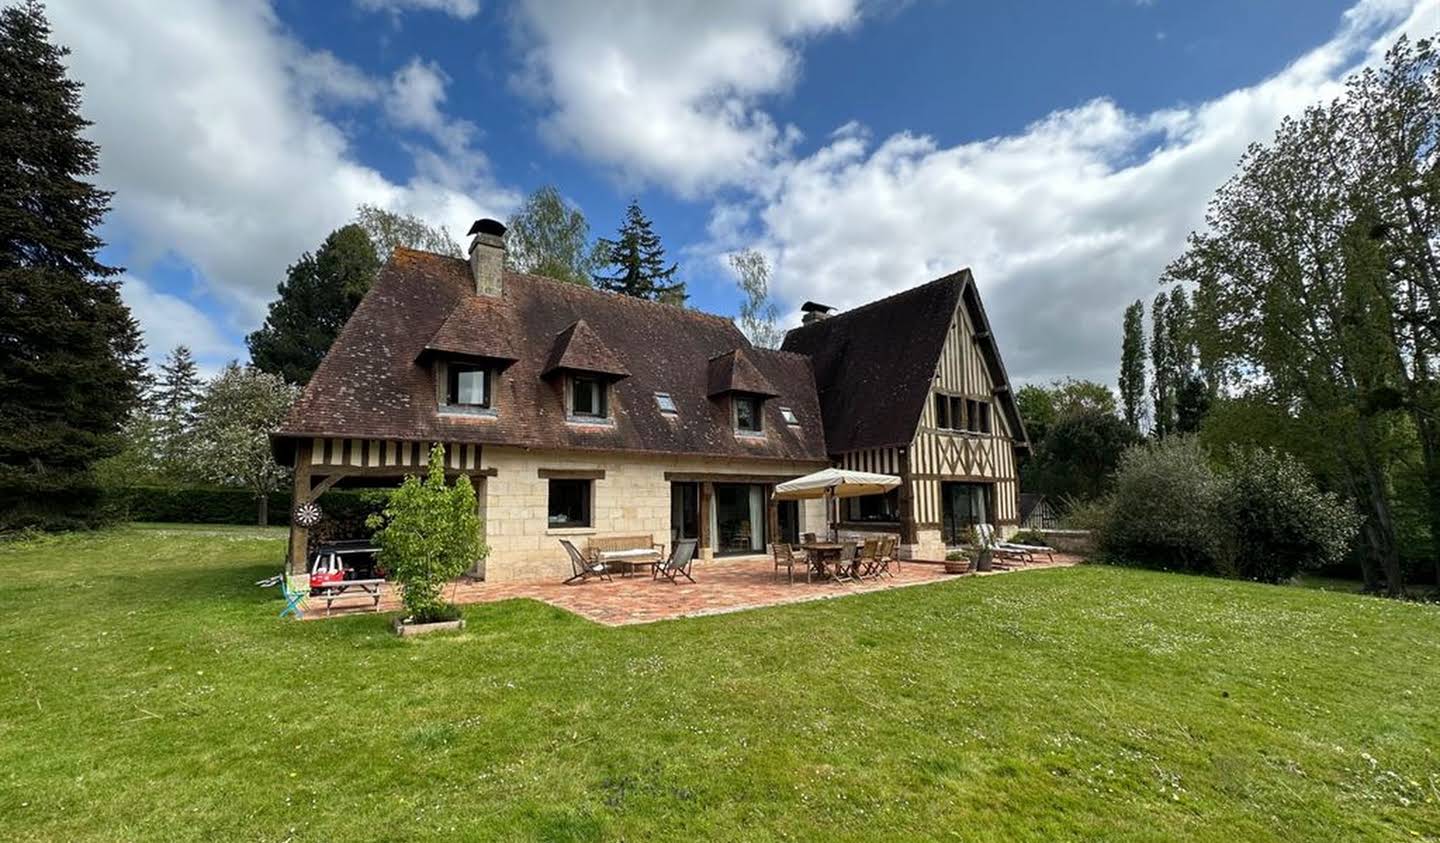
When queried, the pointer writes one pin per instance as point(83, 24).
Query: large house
point(579, 413)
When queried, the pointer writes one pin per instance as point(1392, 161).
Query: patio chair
point(682, 557)
point(885, 555)
point(296, 588)
point(584, 568)
point(808, 538)
point(786, 557)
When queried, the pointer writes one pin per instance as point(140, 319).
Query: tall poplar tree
point(636, 262)
point(1162, 390)
point(69, 349)
point(549, 237)
point(1132, 365)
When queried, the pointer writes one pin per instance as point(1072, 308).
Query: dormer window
point(588, 399)
point(468, 386)
point(666, 403)
point(789, 416)
point(747, 414)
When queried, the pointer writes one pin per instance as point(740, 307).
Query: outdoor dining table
point(821, 553)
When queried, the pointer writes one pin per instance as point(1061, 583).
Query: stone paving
point(728, 585)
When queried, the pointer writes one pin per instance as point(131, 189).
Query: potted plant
point(984, 550)
point(956, 562)
point(429, 534)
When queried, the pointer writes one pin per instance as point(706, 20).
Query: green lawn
point(147, 690)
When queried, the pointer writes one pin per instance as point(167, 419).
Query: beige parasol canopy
point(837, 483)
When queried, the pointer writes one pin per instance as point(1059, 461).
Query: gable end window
point(747, 414)
point(588, 398)
point(467, 386)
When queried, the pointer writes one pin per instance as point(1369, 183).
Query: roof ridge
point(845, 314)
point(582, 288)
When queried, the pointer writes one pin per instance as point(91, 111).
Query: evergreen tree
point(549, 237)
point(1132, 365)
point(69, 348)
point(176, 392)
point(637, 260)
point(318, 295)
point(1161, 387)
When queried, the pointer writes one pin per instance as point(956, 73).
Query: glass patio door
point(962, 506)
point(738, 514)
point(684, 511)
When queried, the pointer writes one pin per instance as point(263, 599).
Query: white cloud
point(463, 9)
point(1063, 223)
point(207, 115)
point(168, 320)
point(669, 93)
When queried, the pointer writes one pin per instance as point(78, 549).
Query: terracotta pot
point(959, 566)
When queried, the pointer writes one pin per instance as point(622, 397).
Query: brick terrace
point(729, 585)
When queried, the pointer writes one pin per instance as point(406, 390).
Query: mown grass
point(147, 690)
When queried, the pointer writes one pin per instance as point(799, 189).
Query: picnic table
point(370, 589)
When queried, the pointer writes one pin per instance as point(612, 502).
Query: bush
point(1029, 537)
point(1280, 521)
point(1164, 510)
point(1261, 518)
point(428, 535)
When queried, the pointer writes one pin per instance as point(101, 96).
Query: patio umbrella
point(832, 483)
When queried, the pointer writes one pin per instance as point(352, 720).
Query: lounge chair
point(682, 556)
point(786, 557)
point(1002, 550)
point(584, 568)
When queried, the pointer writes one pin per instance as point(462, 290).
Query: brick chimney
point(487, 257)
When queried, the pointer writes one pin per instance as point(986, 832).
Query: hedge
point(204, 505)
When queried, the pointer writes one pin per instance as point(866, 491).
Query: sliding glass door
point(684, 511)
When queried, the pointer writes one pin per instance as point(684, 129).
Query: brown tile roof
point(373, 383)
point(579, 349)
point(735, 371)
point(874, 364)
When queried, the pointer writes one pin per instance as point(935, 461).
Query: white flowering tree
point(231, 440)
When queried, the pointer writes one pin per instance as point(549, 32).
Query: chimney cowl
point(487, 257)
point(814, 312)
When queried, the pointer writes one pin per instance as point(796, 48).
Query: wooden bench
point(371, 589)
point(625, 552)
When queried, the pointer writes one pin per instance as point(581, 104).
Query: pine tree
point(69, 348)
point(637, 259)
point(1162, 390)
point(1132, 365)
point(173, 401)
point(316, 298)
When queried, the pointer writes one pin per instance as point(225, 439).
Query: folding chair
point(584, 569)
point(296, 589)
point(682, 557)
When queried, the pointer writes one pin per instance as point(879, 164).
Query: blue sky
point(1062, 150)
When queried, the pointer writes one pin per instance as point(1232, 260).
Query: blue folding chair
point(296, 590)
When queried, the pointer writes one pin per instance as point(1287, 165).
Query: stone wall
point(633, 498)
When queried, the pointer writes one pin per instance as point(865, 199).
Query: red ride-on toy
point(327, 571)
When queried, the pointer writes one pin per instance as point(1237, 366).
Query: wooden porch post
point(707, 500)
point(772, 517)
point(299, 536)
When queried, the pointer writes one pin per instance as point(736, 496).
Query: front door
point(962, 506)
